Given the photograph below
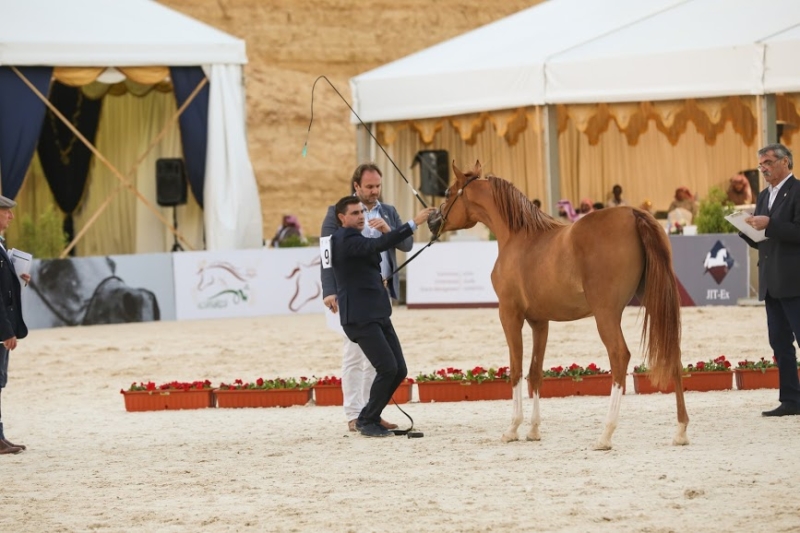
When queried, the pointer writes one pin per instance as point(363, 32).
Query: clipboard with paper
point(21, 261)
point(738, 220)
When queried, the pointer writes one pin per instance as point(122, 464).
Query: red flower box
point(456, 391)
point(643, 385)
point(403, 393)
point(163, 400)
point(766, 378)
point(262, 397)
point(328, 395)
point(592, 385)
point(707, 381)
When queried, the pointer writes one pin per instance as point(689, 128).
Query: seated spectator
point(615, 198)
point(739, 192)
point(684, 200)
point(290, 227)
point(587, 206)
point(566, 211)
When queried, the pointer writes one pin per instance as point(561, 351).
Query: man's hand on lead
point(422, 216)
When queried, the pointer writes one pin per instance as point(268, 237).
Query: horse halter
point(459, 194)
point(434, 237)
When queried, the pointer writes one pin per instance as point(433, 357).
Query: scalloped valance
point(710, 117)
point(96, 82)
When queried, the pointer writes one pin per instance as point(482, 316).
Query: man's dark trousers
point(379, 343)
point(783, 320)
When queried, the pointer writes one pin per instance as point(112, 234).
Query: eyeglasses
point(767, 163)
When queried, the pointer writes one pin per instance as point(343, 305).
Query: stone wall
point(289, 44)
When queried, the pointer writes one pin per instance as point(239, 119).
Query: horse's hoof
point(602, 446)
point(533, 436)
point(680, 440)
point(509, 438)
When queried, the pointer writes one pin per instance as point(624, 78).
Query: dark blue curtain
point(194, 125)
point(65, 159)
point(21, 113)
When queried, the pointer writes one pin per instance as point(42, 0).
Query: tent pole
point(113, 194)
point(101, 157)
point(551, 162)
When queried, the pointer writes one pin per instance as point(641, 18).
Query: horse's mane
point(518, 212)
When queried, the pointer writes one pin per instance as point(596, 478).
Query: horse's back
point(568, 271)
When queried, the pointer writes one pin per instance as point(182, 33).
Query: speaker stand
point(176, 247)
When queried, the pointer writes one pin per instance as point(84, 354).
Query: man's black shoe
point(784, 409)
point(373, 430)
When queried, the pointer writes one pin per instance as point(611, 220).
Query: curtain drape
point(127, 126)
point(194, 125)
point(232, 207)
point(649, 148)
point(21, 113)
point(64, 158)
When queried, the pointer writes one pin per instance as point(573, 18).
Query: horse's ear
point(477, 169)
point(459, 175)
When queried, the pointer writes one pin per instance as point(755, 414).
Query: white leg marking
point(680, 437)
point(604, 443)
point(536, 419)
point(516, 418)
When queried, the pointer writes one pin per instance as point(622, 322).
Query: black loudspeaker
point(752, 178)
point(170, 182)
point(434, 168)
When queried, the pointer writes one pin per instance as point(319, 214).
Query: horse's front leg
point(540, 330)
point(511, 319)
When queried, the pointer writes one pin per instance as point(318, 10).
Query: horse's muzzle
point(435, 221)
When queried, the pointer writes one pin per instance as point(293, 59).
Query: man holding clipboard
point(12, 327)
point(777, 215)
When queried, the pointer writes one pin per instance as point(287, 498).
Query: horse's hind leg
point(511, 319)
point(609, 327)
point(540, 330)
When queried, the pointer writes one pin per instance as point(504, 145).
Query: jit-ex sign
point(712, 269)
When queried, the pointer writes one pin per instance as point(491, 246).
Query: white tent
point(131, 33)
point(577, 51)
point(497, 66)
point(696, 49)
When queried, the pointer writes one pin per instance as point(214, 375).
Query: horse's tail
point(661, 328)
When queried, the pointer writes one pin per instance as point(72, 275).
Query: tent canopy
point(109, 33)
point(128, 33)
point(577, 51)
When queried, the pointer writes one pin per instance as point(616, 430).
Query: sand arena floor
point(92, 466)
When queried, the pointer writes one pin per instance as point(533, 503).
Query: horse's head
point(454, 213)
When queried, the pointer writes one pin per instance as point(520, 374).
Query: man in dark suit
point(778, 214)
point(12, 327)
point(364, 307)
point(357, 372)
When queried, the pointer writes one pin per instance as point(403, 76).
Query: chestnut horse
point(547, 270)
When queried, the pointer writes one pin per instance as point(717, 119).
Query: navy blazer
point(389, 214)
point(779, 255)
point(11, 322)
point(357, 271)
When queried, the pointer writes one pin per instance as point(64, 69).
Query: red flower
point(260, 382)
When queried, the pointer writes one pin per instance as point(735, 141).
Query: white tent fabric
point(578, 51)
point(123, 33)
point(781, 69)
point(235, 221)
point(697, 49)
point(91, 33)
point(497, 66)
